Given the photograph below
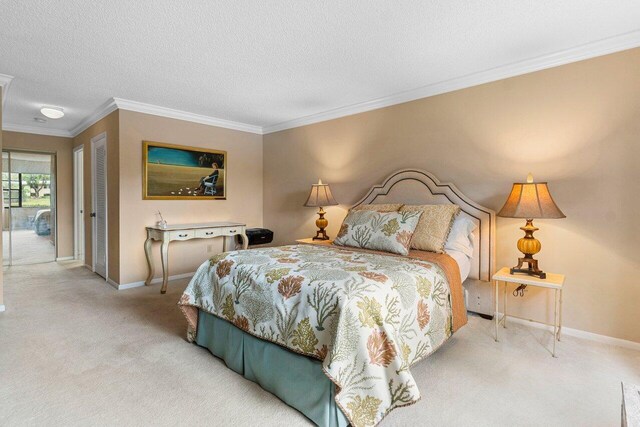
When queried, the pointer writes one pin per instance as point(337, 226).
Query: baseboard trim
point(65, 258)
point(577, 333)
point(2, 308)
point(153, 281)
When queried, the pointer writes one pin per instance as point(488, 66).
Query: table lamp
point(530, 200)
point(320, 196)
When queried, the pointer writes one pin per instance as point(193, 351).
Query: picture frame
point(180, 172)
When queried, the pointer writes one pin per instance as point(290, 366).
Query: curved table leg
point(164, 252)
point(245, 240)
point(147, 252)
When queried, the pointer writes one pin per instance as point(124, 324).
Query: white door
point(99, 203)
point(78, 204)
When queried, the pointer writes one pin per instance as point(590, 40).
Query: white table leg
point(495, 314)
point(148, 254)
point(560, 325)
point(164, 252)
point(504, 315)
point(230, 242)
point(555, 323)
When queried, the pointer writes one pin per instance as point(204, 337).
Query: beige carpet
point(27, 247)
point(74, 351)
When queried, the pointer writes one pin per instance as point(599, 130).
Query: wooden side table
point(553, 281)
point(310, 241)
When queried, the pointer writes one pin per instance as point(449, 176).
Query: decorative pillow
point(389, 232)
point(385, 207)
point(461, 236)
point(434, 226)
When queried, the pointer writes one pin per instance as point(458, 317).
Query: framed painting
point(176, 172)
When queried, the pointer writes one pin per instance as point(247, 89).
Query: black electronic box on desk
point(257, 236)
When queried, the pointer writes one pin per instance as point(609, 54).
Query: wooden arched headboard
point(418, 187)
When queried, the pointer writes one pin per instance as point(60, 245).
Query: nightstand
point(552, 281)
point(310, 241)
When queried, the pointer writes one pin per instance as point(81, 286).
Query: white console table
point(206, 230)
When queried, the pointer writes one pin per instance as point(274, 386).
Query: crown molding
point(140, 107)
point(586, 51)
point(100, 113)
point(5, 83)
point(10, 127)
point(104, 110)
point(125, 104)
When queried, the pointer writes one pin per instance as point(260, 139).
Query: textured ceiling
point(267, 62)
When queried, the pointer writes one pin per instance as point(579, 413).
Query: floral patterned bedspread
point(367, 316)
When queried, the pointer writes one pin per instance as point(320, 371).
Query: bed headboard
point(417, 187)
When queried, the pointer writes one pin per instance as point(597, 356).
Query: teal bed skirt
point(296, 379)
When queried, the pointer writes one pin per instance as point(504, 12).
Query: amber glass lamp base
point(321, 223)
point(529, 246)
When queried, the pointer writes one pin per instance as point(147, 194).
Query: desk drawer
point(231, 231)
point(206, 233)
point(181, 235)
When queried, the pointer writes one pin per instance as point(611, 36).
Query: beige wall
point(63, 149)
point(244, 191)
point(576, 126)
point(110, 124)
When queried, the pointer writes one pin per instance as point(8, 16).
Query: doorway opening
point(29, 214)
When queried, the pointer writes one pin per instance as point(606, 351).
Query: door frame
point(95, 141)
point(78, 211)
point(9, 213)
point(53, 185)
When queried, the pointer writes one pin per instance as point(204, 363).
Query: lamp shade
point(530, 200)
point(320, 195)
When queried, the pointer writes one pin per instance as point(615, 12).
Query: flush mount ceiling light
point(52, 112)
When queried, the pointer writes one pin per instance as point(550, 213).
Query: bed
point(334, 331)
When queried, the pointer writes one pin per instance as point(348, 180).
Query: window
point(26, 190)
point(12, 193)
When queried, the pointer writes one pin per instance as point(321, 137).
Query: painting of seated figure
point(176, 172)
